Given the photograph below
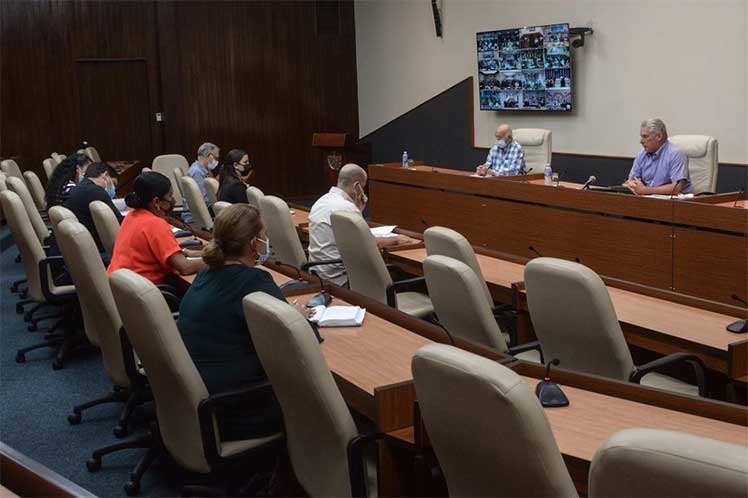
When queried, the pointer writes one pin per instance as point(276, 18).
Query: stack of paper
point(338, 316)
point(385, 231)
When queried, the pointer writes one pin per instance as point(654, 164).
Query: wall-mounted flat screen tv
point(525, 69)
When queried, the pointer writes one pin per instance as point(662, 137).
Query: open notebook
point(338, 316)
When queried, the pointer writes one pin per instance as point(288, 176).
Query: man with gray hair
point(207, 160)
point(348, 195)
point(660, 167)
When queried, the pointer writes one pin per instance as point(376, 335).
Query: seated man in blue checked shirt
point(505, 158)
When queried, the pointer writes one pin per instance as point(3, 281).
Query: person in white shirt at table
point(506, 157)
point(348, 195)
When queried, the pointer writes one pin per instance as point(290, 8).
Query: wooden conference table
point(371, 365)
point(648, 322)
point(697, 247)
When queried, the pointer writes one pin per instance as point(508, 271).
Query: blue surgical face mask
point(261, 258)
point(501, 143)
point(111, 191)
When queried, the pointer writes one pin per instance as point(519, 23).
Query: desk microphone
point(424, 223)
point(740, 196)
point(740, 326)
point(592, 179)
point(576, 258)
point(532, 248)
point(674, 187)
point(529, 171)
point(322, 298)
point(548, 392)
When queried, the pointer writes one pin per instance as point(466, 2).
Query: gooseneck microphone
point(739, 326)
point(322, 298)
point(292, 285)
point(592, 179)
point(740, 196)
point(548, 392)
point(425, 223)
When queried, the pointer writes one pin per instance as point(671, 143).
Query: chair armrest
point(170, 295)
point(356, 463)
point(402, 286)
point(209, 406)
point(45, 275)
point(528, 346)
point(653, 366)
point(305, 267)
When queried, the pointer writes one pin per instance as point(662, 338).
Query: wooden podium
point(337, 149)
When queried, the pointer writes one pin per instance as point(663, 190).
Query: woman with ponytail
point(145, 243)
point(212, 323)
point(65, 177)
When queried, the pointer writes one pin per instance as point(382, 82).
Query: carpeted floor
point(36, 400)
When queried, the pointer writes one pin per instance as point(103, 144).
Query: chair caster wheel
point(57, 365)
point(32, 327)
point(19, 309)
point(132, 488)
point(20, 358)
point(93, 464)
point(74, 418)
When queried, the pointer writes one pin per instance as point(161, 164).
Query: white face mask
point(261, 258)
point(213, 164)
point(501, 143)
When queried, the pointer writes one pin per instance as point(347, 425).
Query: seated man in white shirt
point(348, 195)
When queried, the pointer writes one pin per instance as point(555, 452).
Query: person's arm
point(673, 188)
point(392, 241)
point(184, 266)
point(636, 171)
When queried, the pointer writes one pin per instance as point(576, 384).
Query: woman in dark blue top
point(212, 323)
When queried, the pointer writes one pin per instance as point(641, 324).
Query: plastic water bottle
point(547, 173)
point(405, 159)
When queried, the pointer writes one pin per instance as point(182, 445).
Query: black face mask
point(247, 169)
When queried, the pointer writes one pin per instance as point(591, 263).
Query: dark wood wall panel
point(254, 75)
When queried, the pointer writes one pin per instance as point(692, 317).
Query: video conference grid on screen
point(525, 69)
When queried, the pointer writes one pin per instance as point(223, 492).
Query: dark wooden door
point(115, 108)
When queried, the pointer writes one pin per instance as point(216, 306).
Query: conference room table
point(696, 247)
point(648, 322)
point(371, 366)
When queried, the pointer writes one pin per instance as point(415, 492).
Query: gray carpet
point(35, 401)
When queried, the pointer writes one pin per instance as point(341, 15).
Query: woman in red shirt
point(145, 243)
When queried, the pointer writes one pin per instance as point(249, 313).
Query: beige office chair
point(447, 242)
point(198, 208)
point(253, 197)
point(211, 190)
point(36, 190)
point(3, 188)
point(49, 166)
point(41, 287)
point(367, 273)
point(457, 294)
point(658, 463)
point(177, 173)
point(58, 214)
point(100, 319)
point(220, 206)
point(57, 158)
point(106, 223)
point(282, 232)
point(703, 160)
point(11, 169)
point(488, 430)
point(165, 165)
point(93, 154)
point(536, 142)
point(35, 219)
point(305, 389)
point(184, 409)
point(146, 169)
point(575, 321)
